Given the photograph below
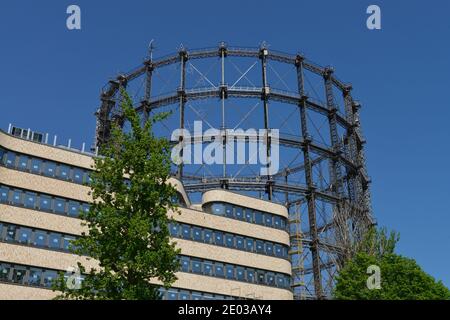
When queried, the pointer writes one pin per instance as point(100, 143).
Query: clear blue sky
point(50, 79)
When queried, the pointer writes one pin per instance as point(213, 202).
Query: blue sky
point(50, 79)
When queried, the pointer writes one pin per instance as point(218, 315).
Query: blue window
point(18, 275)
point(10, 159)
point(184, 295)
point(174, 229)
point(258, 217)
point(208, 234)
point(30, 200)
point(60, 206)
point(86, 207)
point(278, 250)
point(49, 277)
point(196, 266)
point(74, 209)
point(36, 166)
point(229, 239)
point(218, 238)
point(219, 271)
point(240, 244)
point(260, 277)
point(67, 242)
point(249, 215)
point(239, 213)
point(281, 282)
point(270, 279)
point(186, 232)
point(218, 209)
point(50, 169)
point(277, 222)
point(259, 246)
point(54, 241)
point(2, 153)
point(40, 239)
point(34, 277)
point(269, 248)
point(229, 211)
point(5, 270)
point(185, 264)
point(197, 233)
point(162, 293)
point(230, 271)
point(10, 235)
point(24, 235)
point(64, 172)
point(17, 198)
point(88, 179)
point(208, 268)
point(45, 203)
point(240, 273)
point(249, 244)
point(251, 275)
point(4, 194)
point(23, 163)
point(283, 224)
point(78, 175)
point(172, 295)
point(268, 220)
point(197, 296)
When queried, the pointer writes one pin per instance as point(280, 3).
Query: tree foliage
point(401, 277)
point(128, 223)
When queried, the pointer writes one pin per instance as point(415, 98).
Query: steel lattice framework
point(323, 180)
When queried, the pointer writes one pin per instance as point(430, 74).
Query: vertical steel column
point(363, 176)
point(182, 96)
point(148, 87)
point(265, 96)
point(223, 92)
point(350, 142)
point(310, 196)
point(123, 82)
point(336, 175)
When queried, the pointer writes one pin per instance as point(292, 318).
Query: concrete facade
point(21, 183)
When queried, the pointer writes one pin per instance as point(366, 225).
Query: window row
point(47, 168)
point(35, 237)
point(234, 272)
point(247, 214)
point(180, 294)
point(41, 202)
point(29, 276)
point(233, 241)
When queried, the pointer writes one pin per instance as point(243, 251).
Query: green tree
point(401, 277)
point(128, 223)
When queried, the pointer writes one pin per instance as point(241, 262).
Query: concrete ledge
point(220, 195)
point(44, 184)
point(18, 292)
point(40, 220)
point(233, 256)
point(45, 151)
point(212, 221)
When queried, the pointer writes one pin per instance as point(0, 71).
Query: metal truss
point(329, 209)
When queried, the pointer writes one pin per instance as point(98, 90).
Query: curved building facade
point(232, 246)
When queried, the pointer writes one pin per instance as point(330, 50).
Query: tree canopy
point(401, 277)
point(128, 223)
